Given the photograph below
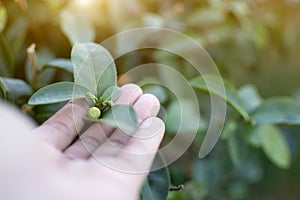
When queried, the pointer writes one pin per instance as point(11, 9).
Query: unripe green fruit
point(94, 112)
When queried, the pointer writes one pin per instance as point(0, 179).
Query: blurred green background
point(253, 42)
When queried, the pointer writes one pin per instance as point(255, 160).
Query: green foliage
point(253, 43)
point(86, 59)
point(15, 90)
point(94, 75)
point(3, 17)
point(6, 58)
point(277, 111)
point(212, 85)
point(158, 182)
point(57, 92)
point(121, 116)
point(270, 138)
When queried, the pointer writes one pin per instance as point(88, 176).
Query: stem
point(33, 61)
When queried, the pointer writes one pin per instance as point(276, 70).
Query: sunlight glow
point(85, 3)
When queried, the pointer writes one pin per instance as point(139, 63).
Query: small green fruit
point(94, 113)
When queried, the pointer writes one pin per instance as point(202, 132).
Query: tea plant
point(95, 78)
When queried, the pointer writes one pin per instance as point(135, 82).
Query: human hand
point(105, 163)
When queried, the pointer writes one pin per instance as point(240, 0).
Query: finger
point(61, 129)
point(146, 106)
point(98, 132)
point(138, 154)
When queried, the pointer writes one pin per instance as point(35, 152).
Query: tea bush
point(253, 43)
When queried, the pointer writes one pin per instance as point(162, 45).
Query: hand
point(103, 163)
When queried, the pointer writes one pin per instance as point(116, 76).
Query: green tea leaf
point(158, 91)
point(158, 182)
point(275, 146)
point(6, 58)
point(3, 17)
point(94, 67)
point(229, 129)
point(182, 117)
point(15, 90)
point(61, 64)
point(44, 112)
point(230, 95)
point(76, 27)
point(16, 34)
point(57, 92)
point(250, 97)
point(111, 93)
point(233, 150)
point(121, 116)
point(277, 111)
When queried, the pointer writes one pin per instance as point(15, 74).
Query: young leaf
point(15, 90)
point(94, 67)
point(111, 93)
point(230, 95)
point(277, 111)
point(121, 116)
point(250, 97)
point(57, 92)
point(76, 27)
point(61, 64)
point(157, 184)
point(275, 146)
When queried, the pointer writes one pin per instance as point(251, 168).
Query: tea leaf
point(250, 97)
point(277, 111)
point(94, 67)
point(6, 58)
point(61, 64)
point(57, 92)
point(157, 183)
point(15, 90)
point(121, 116)
point(76, 27)
point(111, 93)
point(274, 145)
point(230, 95)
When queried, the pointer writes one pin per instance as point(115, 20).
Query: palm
point(101, 163)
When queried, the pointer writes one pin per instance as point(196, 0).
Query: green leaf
point(229, 129)
point(233, 150)
point(212, 85)
point(277, 111)
point(275, 146)
point(157, 185)
point(121, 116)
point(182, 117)
point(253, 133)
point(6, 58)
point(250, 97)
point(94, 67)
point(61, 64)
point(157, 90)
point(15, 90)
point(111, 93)
point(16, 34)
point(42, 76)
point(44, 112)
point(57, 92)
point(3, 17)
point(76, 27)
